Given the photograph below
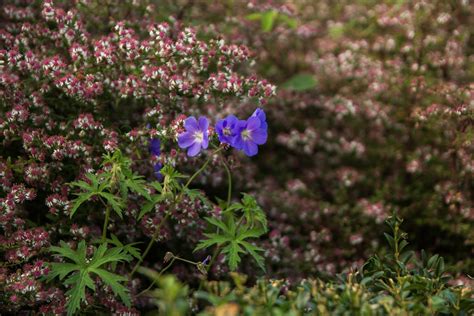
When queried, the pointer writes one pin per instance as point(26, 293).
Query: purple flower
point(226, 129)
point(196, 136)
point(157, 171)
point(251, 133)
point(261, 116)
point(154, 147)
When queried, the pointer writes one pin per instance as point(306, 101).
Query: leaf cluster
point(79, 269)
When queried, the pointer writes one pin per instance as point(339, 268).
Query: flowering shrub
point(124, 149)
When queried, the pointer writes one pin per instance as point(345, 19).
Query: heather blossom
point(196, 135)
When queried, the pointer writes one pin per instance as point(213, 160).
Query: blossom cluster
point(242, 135)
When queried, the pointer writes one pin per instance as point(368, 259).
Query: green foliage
point(300, 82)
point(398, 284)
point(418, 286)
point(117, 177)
point(170, 188)
point(171, 296)
point(252, 212)
point(270, 18)
point(78, 272)
point(232, 238)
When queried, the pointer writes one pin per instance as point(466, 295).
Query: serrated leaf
point(79, 201)
point(113, 280)
point(253, 251)
point(137, 185)
point(217, 223)
point(60, 270)
point(250, 233)
point(78, 272)
point(114, 201)
point(232, 250)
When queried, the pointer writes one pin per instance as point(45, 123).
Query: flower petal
point(185, 139)
point(237, 142)
point(203, 123)
point(190, 124)
point(231, 120)
point(253, 123)
point(260, 114)
point(259, 136)
point(205, 140)
point(154, 146)
point(194, 149)
point(250, 148)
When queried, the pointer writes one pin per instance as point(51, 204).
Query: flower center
point(246, 134)
point(227, 131)
point(198, 136)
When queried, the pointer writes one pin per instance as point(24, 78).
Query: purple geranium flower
point(251, 133)
point(261, 116)
point(154, 147)
point(157, 171)
point(196, 136)
point(226, 129)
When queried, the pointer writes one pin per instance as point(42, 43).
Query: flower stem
point(178, 199)
point(150, 244)
point(229, 180)
point(106, 223)
point(216, 253)
point(202, 168)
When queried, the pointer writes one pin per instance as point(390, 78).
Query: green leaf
point(268, 20)
point(300, 82)
point(250, 233)
point(217, 223)
point(114, 201)
point(79, 201)
point(113, 280)
point(254, 16)
point(232, 250)
point(77, 273)
point(60, 270)
point(147, 207)
point(252, 250)
point(136, 184)
point(206, 243)
point(77, 293)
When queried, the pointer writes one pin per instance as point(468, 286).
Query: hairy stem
point(150, 244)
point(229, 181)
point(106, 223)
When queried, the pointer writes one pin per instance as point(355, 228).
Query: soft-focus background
point(373, 113)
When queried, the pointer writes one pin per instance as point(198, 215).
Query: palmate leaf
point(149, 205)
point(129, 248)
point(113, 280)
point(77, 293)
point(233, 238)
point(78, 273)
point(252, 250)
point(250, 209)
point(137, 184)
point(213, 239)
point(114, 201)
point(82, 198)
point(232, 250)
